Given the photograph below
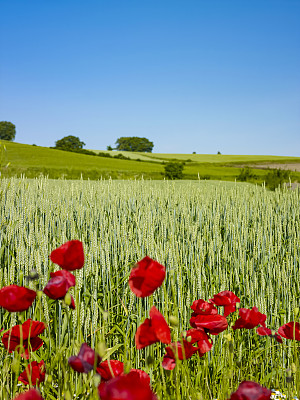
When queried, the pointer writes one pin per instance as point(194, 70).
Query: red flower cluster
point(226, 299)
point(25, 335)
point(146, 276)
point(69, 255)
point(152, 330)
point(59, 284)
point(251, 390)
point(31, 394)
point(176, 350)
point(33, 374)
point(290, 330)
point(86, 359)
point(16, 298)
point(249, 319)
point(131, 386)
point(263, 331)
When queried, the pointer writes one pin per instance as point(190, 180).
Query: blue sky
point(190, 75)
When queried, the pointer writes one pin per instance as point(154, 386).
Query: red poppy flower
point(16, 298)
point(175, 350)
point(141, 375)
point(59, 284)
point(212, 323)
point(251, 391)
point(200, 337)
point(27, 334)
point(85, 360)
point(33, 374)
point(152, 330)
point(226, 299)
point(110, 369)
point(263, 331)
point(201, 307)
point(249, 319)
point(31, 394)
point(146, 276)
point(290, 330)
point(69, 255)
point(126, 387)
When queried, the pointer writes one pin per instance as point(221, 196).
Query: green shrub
point(276, 178)
point(246, 175)
point(173, 170)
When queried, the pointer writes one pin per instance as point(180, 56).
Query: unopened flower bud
point(68, 299)
point(173, 320)
point(293, 368)
point(101, 349)
point(96, 380)
point(39, 294)
point(15, 365)
point(296, 311)
point(189, 339)
point(105, 315)
point(49, 379)
point(68, 395)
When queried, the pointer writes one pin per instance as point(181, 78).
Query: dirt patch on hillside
point(292, 167)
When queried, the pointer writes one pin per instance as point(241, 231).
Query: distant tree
point(174, 170)
point(218, 152)
point(69, 143)
point(194, 152)
point(109, 148)
point(7, 130)
point(134, 143)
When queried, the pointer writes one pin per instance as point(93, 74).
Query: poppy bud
point(293, 368)
point(96, 380)
point(289, 377)
point(189, 339)
point(68, 299)
point(296, 311)
point(173, 320)
point(228, 337)
point(15, 365)
point(101, 349)
point(49, 379)
point(68, 395)
point(39, 294)
point(105, 315)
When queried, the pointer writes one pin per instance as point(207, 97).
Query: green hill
point(32, 161)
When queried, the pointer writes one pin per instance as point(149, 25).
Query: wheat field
point(210, 237)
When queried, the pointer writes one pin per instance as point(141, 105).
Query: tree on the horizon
point(7, 130)
point(134, 143)
point(69, 143)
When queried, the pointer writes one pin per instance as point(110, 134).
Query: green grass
point(210, 236)
point(33, 161)
point(219, 158)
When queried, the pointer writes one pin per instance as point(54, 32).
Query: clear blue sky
point(190, 75)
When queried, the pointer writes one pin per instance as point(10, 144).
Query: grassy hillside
point(32, 161)
point(207, 158)
point(35, 160)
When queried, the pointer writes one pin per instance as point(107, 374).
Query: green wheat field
point(210, 237)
